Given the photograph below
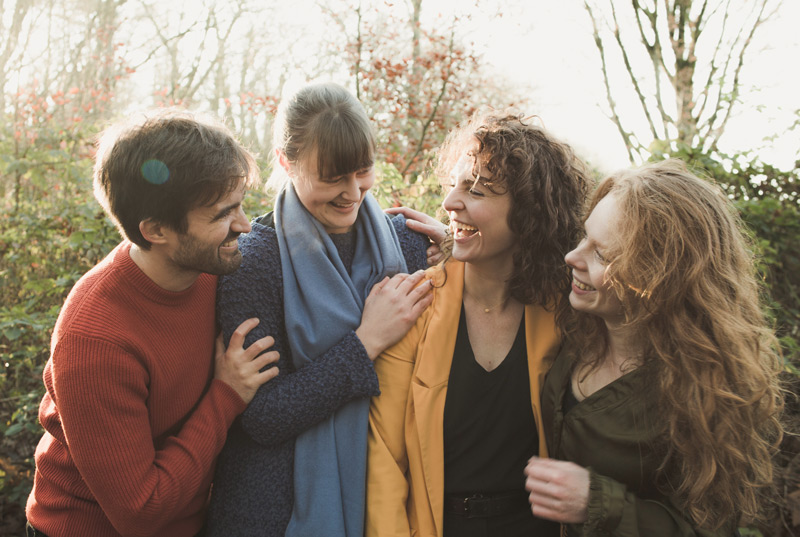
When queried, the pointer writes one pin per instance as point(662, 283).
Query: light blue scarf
point(322, 302)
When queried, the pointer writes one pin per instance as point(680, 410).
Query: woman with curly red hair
point(665, 397)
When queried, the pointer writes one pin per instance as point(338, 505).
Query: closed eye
point(224, 213)
point(600, 257)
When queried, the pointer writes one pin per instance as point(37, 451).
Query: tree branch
point(598, 41)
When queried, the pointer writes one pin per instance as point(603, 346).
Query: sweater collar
point(141, 283)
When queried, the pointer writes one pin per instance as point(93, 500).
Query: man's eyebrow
point(225, 210)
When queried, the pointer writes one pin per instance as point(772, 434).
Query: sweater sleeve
point(295, 400)
point(413, 244)
point(616, 512)
point(102, 402)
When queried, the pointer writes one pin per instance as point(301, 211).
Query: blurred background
point(713, 82)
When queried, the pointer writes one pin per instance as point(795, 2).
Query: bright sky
point(547, 47)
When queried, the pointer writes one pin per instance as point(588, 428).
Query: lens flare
point(155, 172)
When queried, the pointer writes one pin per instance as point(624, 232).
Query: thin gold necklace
point(482, 305)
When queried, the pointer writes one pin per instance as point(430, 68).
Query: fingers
point(421, 223)
point(380, 285)
point(395, 281)
point(237, 338)
point(258, 347)
point(435, 230)
point(411, 281)
point(263, 360)
point(434, 254)
point(422, 291)
point(559, 490)
point(426, 229)
point(219, 346)
point(422, 303)
point(408, 212)
point(266, 375)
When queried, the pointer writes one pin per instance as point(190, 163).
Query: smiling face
point(591, 291)
point(333, 201)
point(210, 243)
point(479, 218)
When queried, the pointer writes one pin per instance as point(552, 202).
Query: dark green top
point(612, 433)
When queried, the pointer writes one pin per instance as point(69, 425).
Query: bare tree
point(192, 44)
point(682, 60)
point(10, 37)
point(417, 80)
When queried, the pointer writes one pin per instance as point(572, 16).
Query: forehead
point(603, 221)
point(468, 166)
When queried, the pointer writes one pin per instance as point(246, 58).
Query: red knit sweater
point(133, 422)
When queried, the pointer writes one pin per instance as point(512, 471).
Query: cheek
point(368, 182)
point(306, 191)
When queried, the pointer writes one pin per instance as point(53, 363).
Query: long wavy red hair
point(684, 270)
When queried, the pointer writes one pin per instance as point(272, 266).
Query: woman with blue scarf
point(327, 274)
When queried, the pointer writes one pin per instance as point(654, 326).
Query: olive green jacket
point(611, 433)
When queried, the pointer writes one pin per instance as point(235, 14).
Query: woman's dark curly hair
point(548, 185)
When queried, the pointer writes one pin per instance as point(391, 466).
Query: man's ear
point(154, 232)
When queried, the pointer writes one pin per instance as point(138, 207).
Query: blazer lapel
point(541, 339)
point(429, 385)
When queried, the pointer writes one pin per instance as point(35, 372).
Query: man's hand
point(240, 368)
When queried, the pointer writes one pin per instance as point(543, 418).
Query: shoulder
point(97, 295)
point(259, 277)
point(260, 253)
point(261, 237)
point(414, 245)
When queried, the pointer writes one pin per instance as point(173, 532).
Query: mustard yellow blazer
point(405, 465)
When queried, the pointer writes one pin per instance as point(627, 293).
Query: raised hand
point(240, 368)
point(391, 309)
point(427, 225)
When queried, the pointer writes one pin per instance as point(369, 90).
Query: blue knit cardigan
point(252, 491)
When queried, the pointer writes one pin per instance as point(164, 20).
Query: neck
point(488, 289)
point(159, 268)
point(623, 346)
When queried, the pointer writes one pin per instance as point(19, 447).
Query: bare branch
point(716, 132)
point(632, 75)
point(656, 54)
point(435, 107)
point(714, 69)
point(598, 40)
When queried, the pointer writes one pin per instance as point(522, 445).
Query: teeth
point(230, 243)
point(456, 225)
point(582, 286)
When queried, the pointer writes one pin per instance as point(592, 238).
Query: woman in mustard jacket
point(459, 414)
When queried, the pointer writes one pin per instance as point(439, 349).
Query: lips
point(582, 286)
point(461, 230)
point(231, 243)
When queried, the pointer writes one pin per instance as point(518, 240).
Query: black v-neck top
point(489, 428)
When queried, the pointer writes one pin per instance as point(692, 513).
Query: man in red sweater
point(140, 393)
